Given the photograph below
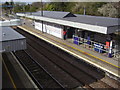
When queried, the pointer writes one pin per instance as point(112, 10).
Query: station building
point(94, 32)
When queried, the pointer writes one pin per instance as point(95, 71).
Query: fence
point(109, 51)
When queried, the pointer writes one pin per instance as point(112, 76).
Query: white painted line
point(71, 52)
point(25, 72)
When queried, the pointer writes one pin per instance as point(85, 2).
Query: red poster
point(107, 45)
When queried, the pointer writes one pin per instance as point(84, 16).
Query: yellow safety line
point(78, 50)
point(89, 54)
point(10, 76)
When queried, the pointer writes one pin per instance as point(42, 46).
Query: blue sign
point(98, 48)
point(6, 5)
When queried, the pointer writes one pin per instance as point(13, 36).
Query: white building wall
point(53, 29)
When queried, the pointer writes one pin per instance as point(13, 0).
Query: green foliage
point(49, 7)
point(18, 8)
point(5, 4)
point(33, 9)
point(8, 6)
point(59, 6)
point(24, 8)
point(91, 8)
point(110, 9)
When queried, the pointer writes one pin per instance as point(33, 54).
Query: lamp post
point(84, 10)
point(42, 13)
point(11, 7)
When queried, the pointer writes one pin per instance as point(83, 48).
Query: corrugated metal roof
point(86, 19)
point(10, 34)
point(95, 20)
point(53, 14)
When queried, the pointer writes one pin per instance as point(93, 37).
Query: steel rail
point(46, 71)
point(38, 83)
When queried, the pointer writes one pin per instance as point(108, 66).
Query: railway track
point(60, 62)
point(76, 72)
point(41, 77)
point(70, 69)
point(80, 75)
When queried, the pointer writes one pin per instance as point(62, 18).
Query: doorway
point(70, 32)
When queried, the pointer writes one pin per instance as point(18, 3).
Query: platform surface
point(13, 75)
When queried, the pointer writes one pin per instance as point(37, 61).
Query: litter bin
point(76, 40)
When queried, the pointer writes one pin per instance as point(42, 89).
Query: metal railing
point(95, 46)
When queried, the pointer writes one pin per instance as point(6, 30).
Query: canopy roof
point(52, 14)
point(9, 34)
point(104, 25)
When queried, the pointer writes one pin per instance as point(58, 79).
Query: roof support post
point(42, 13)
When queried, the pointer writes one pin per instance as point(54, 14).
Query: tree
point(8, 6)
point(12, 6)
point(109, 10)
point(37, 4)
point(89, 7)
point(59, 6)
point(5, 7)
point(18, 8)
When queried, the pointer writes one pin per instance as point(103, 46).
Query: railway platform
point(109, 65)
point(12, 74)
point(9, 79)
point(6, 80)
